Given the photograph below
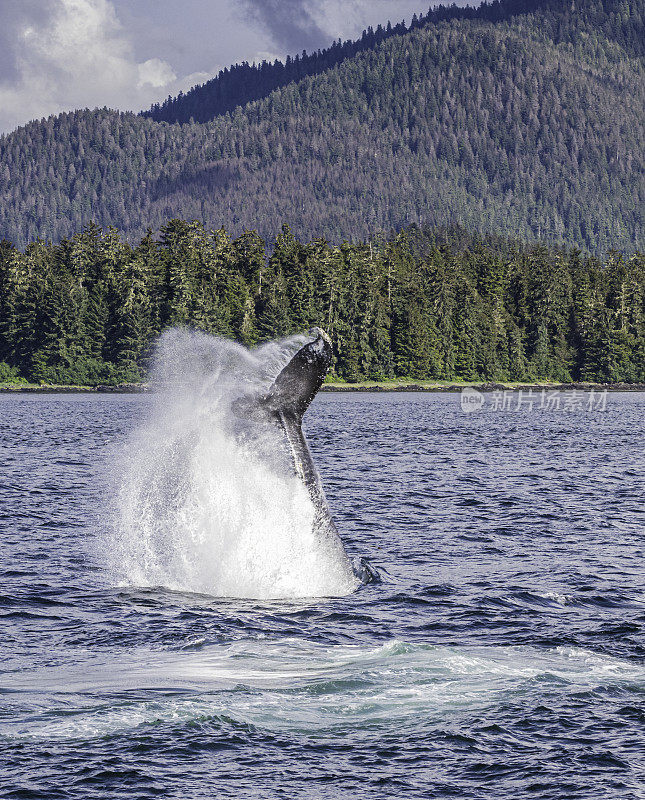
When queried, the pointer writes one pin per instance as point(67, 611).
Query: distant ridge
point(523, 119)
point(244, 83)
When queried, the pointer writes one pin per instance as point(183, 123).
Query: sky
point(59, 55)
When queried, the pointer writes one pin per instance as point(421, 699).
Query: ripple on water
point(502, 654)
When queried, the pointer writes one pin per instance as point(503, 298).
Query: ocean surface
point(501, 655)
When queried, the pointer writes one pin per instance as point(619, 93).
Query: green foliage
point(10, 375)
point(522, 117)
point(84, 372)
point(425, 304)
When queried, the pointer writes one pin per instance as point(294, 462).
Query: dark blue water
point(502, 656)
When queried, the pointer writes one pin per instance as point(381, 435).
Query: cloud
point(58, 55)
point(155, 72)
point(290, 23)
point(294, 25)
point(66, 54)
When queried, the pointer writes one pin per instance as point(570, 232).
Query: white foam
point(558, 597)
point(294, 685)
point(201, 508)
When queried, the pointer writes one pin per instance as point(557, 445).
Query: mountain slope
point(244, 83)
point(531, 125)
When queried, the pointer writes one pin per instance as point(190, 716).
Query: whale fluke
point(285, 404)
point(288, 399)
point(298, 383)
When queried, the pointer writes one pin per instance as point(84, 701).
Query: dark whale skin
point(284, 405)
point(286, 402)
point(299, 382)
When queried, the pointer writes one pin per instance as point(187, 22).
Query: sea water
point(502, 655)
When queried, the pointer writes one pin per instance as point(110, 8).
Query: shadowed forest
point(423, 304)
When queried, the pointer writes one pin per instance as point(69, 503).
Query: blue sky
point(58, 55)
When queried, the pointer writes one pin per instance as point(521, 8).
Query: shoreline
point(456, 388)
point(366, 386)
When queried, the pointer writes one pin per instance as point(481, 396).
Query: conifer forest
point(423, 304)
point(522, 118)
point(460, 197)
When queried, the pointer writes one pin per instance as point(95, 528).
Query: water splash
point(205, 505)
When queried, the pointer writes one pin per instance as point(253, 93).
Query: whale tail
point(288, 399)
point(298, 383)
point(285, 404)
point(291, 393)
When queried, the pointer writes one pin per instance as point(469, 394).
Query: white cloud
point(73, 54)
point(58, 55)
point(298, 24)
point(348, 18)
point(155, 72)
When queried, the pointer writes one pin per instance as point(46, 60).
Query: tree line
point(424, 304)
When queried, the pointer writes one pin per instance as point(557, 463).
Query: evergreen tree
point(424, 304)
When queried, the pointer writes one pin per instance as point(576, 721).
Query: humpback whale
point(284, 405)
point(217, 492)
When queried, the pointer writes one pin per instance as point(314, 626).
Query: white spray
point(200, 507)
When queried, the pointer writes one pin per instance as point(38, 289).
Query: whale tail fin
point(288, 398)
point(298, 383)
point(291, 393)
point(284, 404)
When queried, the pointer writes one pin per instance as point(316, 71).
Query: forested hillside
point(424, 304)
point(243, 83)
point(528, 124)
